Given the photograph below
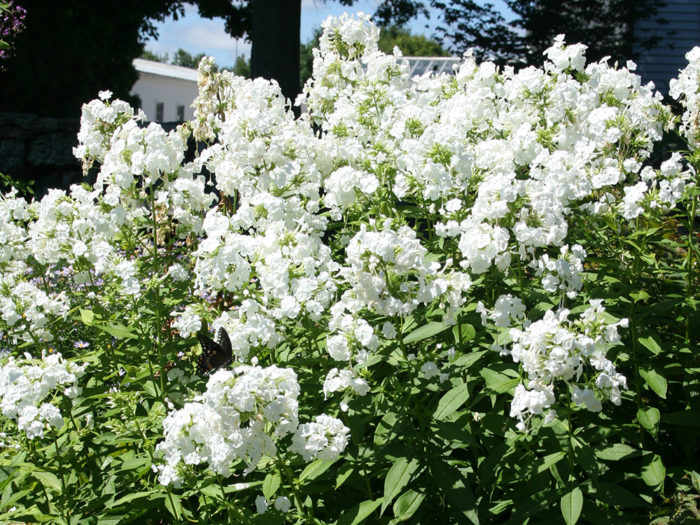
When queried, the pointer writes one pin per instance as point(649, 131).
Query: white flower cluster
point(686, 89)
point(390, 194)
point(556, 349)
point(25, 385)
point(324, 438)
point(239, 417)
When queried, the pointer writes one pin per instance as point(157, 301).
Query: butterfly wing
point(215, 352)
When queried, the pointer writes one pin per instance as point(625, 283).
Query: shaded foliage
point(71, 49)
point(608, 27)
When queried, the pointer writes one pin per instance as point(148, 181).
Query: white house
point(166, 91)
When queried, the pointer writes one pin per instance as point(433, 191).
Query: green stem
point(64, 492)
point(38, 461)
point(690, 250)
point(288, 476)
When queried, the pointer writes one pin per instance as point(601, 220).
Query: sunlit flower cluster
point(686, 89)
point(239, 417)
point(555, 349)
point(392, 202)
point(26, 386)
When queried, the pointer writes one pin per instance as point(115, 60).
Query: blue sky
point(200, 35)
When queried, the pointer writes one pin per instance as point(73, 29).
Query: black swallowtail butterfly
point(215, 352)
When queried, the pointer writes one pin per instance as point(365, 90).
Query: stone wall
point(39, 149)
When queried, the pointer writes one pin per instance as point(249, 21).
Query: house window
point(181, 113)
point(159, 111)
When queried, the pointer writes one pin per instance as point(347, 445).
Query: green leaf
point(571, 505)
point(649, 419)
point(117, 330)
point(499, 383)
point(397, 478)
point(172, 503)
point(616, 452)
point(695, 480)
point(655, 381)
point(639, 296)
point(463, 333)
point(315, 469)
point(616, 495)
point(467, 360)
point(386, 429)
point(130, 497)
point(650, 344)
point(48, 479)
point(87, 316)
point(686, 418)
point(585, 457)
point(549, 461)
point(270, 485)
point(359, 512)
point(346, 471)
point(451, 401)
point(425, 331)
point(407, 504)
point(654, 472)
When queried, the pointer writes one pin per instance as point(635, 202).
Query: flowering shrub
point(446, 299)
point(11, 23)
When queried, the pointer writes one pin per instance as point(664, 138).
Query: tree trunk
point(275, 50)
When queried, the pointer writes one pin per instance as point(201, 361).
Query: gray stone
point(43, 125)
point(12, 157)
point(53, 149)
point(69, 124)
point(12, 132)
point(11, 118)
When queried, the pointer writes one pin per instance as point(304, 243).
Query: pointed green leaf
point(386, 429)
point(571, 505)
point(650, 344)
point(463, 333)
point(48, 479)
point(451, 401)
point(616, 452)
point(649, 419)
point(425, 331)
point(550, 460)
point(270, 485)
point(654, 472)
point(172, 503)
point(499, 383)
point(87, 316)
point(117, 330)
point(655, 381)
point(467, 360)
point(617, 495)
point(315, 469)
point(397, 478)
point(359, 513)
point(407, 504)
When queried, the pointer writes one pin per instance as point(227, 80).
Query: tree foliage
point(71, 49)
point(607, 27)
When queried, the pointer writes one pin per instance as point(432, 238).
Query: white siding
point(172, 86)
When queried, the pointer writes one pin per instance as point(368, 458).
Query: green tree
point(147, 54)
point(607, 27)
point(185, 59)
point(69, 50)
